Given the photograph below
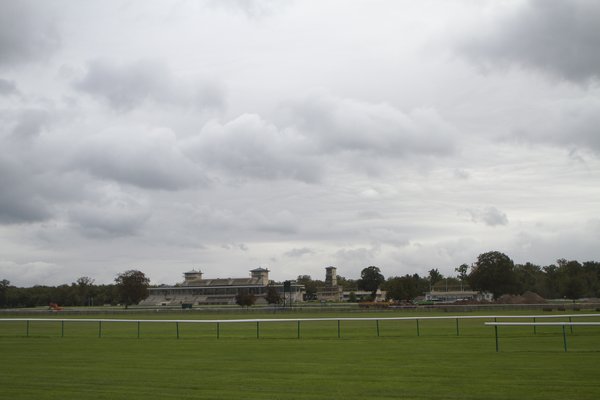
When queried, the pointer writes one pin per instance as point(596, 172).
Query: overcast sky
point(224, 135)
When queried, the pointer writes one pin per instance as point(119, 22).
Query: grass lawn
point(437, 364)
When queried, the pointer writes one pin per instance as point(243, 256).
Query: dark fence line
point(315, 308)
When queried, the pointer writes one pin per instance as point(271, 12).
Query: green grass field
point(72, 362)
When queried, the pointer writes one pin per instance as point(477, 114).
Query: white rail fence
point(536, 324)
point(299, 321)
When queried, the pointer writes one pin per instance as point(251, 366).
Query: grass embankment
point(437, 364)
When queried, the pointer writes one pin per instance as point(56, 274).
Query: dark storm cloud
point(128, 86)
point(560, 37)
point(26, 34)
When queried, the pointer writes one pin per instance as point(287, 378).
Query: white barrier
point(298, 321)
point(534, 324)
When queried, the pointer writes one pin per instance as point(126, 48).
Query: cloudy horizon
point(225, 135)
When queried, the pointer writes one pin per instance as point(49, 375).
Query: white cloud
point(340, 124)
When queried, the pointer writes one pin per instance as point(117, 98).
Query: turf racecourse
point(433, 362)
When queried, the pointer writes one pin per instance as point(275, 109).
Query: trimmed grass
point(437, 364)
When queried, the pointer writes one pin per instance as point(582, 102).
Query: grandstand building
point(196, 290)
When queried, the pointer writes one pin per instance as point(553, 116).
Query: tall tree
point(370, 279)
point(272, 295)
point(4, 285)
point(530, 278)
point(405, 288)
point(434, 277)
point(573, 284)
point(463, 272)
point(245, 299)
point(494, 272)
point(132, 286)
point(310, 286)
point(84, 287)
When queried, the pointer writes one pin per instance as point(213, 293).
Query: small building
point(197, 290)
point(458, 295)
point(364, 295)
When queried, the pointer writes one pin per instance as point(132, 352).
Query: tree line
point(493, 272)
point(129, 288)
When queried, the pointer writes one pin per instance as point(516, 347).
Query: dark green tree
point(434, 277)
point(132, 286)
point(347, 284)
point(573, 283)
point(494, 272)
point(352, 297)
point(310, 286)
point(83, 287)
point(405, 288)
point(530, 277)
point(463, 273)
point(244, 299)
point(370, 279)
point(551, 282)
point(272, 296)
point(4, 286)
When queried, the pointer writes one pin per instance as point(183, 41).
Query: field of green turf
point(433, 360)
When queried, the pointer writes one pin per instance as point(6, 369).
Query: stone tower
point(330, 277)
point(262, 274)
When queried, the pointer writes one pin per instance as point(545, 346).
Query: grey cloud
point(21, 200)
point(249, 146)
point(369, 215)
point(560, 37)
point(110, 218)
point(297, 253)
point(30, 123)
point(147, 158)
point(26, 33)
point(490, 216)
point(128, 86)
point(308, 135)
point(36, 272)
point(282, 222)
point(235, 246)
point(357, 257)
point(570, 122)
point(7, 87)
point(250, 8)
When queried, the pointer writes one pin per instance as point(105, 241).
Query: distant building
point(331, 291)
point(364, 295)
point(196, 290)
point(459, 295)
